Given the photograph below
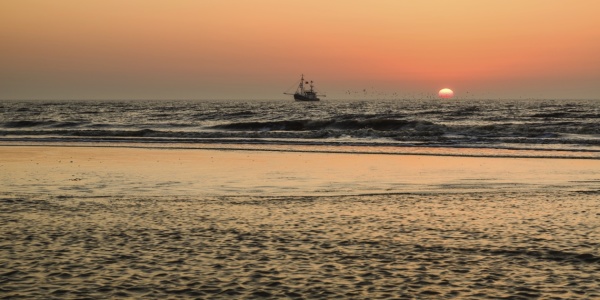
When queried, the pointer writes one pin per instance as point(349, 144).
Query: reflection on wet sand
point(112, 171)
point(141, 223)
point(466, 245)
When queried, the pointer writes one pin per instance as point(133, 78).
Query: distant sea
point(530, 128)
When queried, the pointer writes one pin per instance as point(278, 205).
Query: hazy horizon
point(202, 50)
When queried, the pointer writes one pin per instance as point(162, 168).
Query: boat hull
point(299, 97)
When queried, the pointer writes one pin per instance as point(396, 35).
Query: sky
point(257, 49)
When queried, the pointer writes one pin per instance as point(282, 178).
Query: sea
point(277, 199)
point(531, 128)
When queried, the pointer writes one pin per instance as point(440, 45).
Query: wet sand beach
point(92, 222)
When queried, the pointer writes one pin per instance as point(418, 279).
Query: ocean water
point(329, 208)
point(562, 128)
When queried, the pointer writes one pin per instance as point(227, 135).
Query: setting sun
point(446, 93)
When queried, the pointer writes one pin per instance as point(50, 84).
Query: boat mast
point(301, 87)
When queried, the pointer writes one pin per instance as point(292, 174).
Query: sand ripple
point(514, 245)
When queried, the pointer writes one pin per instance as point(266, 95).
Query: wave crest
point(307, 125)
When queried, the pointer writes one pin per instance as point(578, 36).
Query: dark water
point(557, 125)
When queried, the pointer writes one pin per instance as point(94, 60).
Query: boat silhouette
point(304, 94)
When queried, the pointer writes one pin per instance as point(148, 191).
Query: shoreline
point(107, 170)
point(404, 150)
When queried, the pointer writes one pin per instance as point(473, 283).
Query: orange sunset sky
point(222, 49)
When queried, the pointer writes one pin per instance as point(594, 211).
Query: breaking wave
point(303, 125)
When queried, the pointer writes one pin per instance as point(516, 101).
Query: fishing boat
point(304, 94)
